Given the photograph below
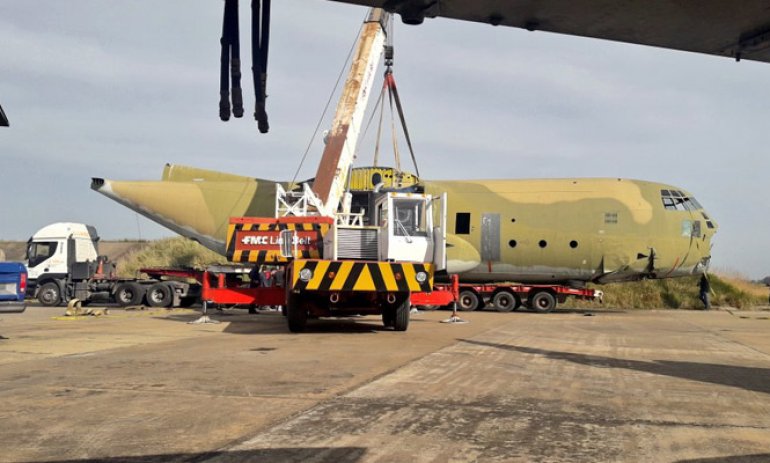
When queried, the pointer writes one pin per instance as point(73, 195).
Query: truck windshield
point(39, 252)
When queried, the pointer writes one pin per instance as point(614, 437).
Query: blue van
point(13, 285)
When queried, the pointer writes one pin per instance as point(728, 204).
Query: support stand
point(204, 319)
point(456, 295)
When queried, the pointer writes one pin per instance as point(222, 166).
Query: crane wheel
point(296, 313)
point(401, 315)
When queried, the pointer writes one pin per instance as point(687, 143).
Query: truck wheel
point(49, 294)
point(504, 301)
point(542, 302)
point(296, 313)
point(401, 315)
point(159, 295)
point(128, 294)
point(468, 301)
point(388, 317)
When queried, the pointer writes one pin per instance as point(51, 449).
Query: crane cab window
point(463, 223)
point(409, 217)
point(39, 252)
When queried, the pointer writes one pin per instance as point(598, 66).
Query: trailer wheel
point(49, 294)
point(160, 295)
point(542, 302)
point(468, 301)
point(401, 315)
point(505, 301)
point(128, 294)
point(296, 313)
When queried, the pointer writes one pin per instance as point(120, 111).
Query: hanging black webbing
point(394, 90)
point(260, 41)
point(230, 64)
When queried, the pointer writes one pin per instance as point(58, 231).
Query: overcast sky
point(117, 89)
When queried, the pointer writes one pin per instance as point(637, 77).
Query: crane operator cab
point(400, 227)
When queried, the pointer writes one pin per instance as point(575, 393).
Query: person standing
point(705, 290)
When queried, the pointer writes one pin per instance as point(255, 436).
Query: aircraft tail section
point(196, 209)
point(179, 173)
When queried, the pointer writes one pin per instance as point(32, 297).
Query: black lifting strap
point(260, 41)
point(392, 87)
point(230, 63)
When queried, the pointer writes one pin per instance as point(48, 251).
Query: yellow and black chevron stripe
point(271, 256)
point(349, 275)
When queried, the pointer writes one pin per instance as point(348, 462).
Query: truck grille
point(357, 243)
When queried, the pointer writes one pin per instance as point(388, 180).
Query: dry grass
point(680, 293)
point(168, 252)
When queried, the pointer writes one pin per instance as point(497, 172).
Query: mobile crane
point(339, 261)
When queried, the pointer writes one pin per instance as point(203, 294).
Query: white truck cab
point(54, 248)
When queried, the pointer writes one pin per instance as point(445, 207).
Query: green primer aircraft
point(531, 231)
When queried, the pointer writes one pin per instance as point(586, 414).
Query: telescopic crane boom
point(338, 155)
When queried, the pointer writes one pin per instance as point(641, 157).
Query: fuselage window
point(463, 223)
point(512, 243)
point(573, 244)
point(543, 243)
point(696, 228)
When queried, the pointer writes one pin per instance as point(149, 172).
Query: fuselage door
point(490, 237)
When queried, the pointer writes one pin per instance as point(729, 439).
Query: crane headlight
point(421, 277)
point(305, 274)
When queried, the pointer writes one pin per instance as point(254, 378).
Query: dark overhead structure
point(3, 118)
point(740, 30)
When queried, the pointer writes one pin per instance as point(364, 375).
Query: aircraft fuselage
point(530, 231)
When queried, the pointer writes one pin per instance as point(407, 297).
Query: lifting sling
point(260, 42)
point(230, 64)
point(230, 69)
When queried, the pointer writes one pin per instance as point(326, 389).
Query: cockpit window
point(677, 201)
point(696, 203)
